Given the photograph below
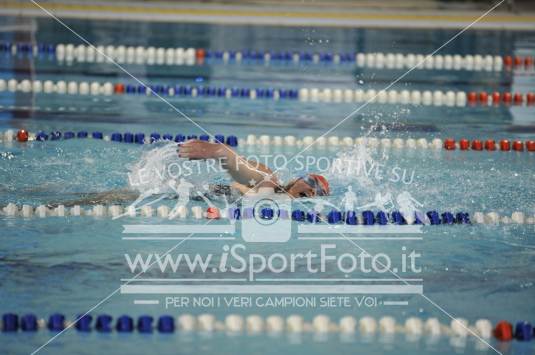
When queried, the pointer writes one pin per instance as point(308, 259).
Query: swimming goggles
point(314, 182)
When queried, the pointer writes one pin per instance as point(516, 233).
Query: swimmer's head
point(310, 185)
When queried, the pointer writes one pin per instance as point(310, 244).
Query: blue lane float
point(368, 218)
point(382, 218)
point(125, 324)
point(166, 324)
point(397, 218)
point(139, 138)
point(266, 213)
point(103, 323)
point(433, 217)
point(298, 215)
point(234, 213)
point(313, 217)
point(10, 322)
point(334, 217)
point(351, 218)
point(524, 331)
point(68, 135)
point(56, 135)
point(144, 324)
point(41, 136)
point(462, 218)
point(84, 323)
point(56, 322)
point(447, 218)
point(28, 323)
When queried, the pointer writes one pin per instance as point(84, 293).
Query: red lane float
point(483, 98)
point(449, 144)
point(200, 54)
point(518, 62)
point(496, 98)
point(464, 144)
point(518, 146)
point(472, 98)
point(507, 98)
point(477, 144)
point(518, 98)
point(213, 213)
point(22, 135)
point(118, 88)
point(503, 331)
point(489, 145)
point(508, 61)
point(505, 145)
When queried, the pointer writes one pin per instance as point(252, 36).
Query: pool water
point(68, 265)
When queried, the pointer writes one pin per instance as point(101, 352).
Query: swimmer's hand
point(197, 149)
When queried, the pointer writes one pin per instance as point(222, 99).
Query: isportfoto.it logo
point(235, 259)
point(325, 260)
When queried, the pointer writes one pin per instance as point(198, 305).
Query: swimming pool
point(68, 264)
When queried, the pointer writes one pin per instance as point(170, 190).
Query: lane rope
point(414, 327)
point(489, 145)
point(198, 56)
point(436, 98)
point(365, 218)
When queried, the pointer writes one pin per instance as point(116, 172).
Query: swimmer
point(248, 177)
point(251, 175)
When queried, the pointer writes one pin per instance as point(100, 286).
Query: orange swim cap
point(322, 183)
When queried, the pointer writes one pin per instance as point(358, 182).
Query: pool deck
point(381, 14)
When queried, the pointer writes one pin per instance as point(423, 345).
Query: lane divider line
point(413, 327)
point(331, 95)
point(262, 141)
point(198, 56)
point(366, 218)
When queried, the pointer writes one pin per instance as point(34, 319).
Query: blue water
point(68, 265)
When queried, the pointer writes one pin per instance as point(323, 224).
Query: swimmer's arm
point(242, 171)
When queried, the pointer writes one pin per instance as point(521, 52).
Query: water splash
point(362, 170)
point(151, 172)
point(354, 165)
point(160, 167)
